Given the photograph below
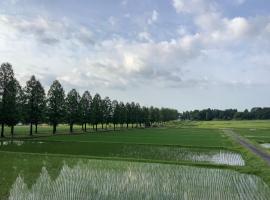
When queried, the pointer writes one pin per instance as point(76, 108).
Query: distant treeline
point(30, 105)
point(229, 114)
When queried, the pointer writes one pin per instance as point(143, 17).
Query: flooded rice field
point(105, 180)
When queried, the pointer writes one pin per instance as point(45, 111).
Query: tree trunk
point(114, 126)
point(93, 127)
point(132, 125)
point(2, 130)
point(127, 125)
point(102, 126)
point(31, 129)
point(96, 127)
point(12, 131)
point(54, 128)
point(85, 127)
point(71, 128)
point(36, 128)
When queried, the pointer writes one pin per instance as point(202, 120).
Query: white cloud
point(194, 6)
point(237, 27)
point(46, 31)
point(153, 18)
point(187, 60)
point(145, 36)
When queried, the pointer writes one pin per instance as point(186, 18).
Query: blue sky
point(186, 54)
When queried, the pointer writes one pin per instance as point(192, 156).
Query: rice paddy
point(127, 180)
point(221, 157)
point(196, 162)
point(131, 151)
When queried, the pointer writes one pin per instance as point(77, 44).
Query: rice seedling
point(132, 151)
point(97, 179)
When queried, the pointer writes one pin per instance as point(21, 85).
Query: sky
point(183, 54)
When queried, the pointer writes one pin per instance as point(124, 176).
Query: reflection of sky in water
point(18, 142)
point(15, 142)
point(222, 157)
point(119, 180)
point(266, 145)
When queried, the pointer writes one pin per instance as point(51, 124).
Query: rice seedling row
point(128, 180)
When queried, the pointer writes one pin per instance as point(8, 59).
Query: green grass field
point(200, 144)
point(162, 136)
point(245, 124)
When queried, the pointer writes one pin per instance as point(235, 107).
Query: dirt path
point(248, 145)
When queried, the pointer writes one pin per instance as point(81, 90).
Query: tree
point(132, 113)
point(35, 102)
point(107, 112)
point(14, 105)
point(116, 113)
point(128, 114)
point(122, 114)
point(156, 115)
point(72, 104)
point(96, 110)
point(151, 115)
point(8, 95)
point(85, 106)
point(102, 112)
point(138, 115)
point(145, 116)
point(56, 104)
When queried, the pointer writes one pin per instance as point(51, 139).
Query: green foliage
point(228, 114)
point(34, 102)
point(107, 110)
point(56, 104)
point(97, 110)
point(72, 105)
point(85, 109)
point(10, 90)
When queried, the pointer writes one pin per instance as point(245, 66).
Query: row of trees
point(30, 105)
point(229, 114)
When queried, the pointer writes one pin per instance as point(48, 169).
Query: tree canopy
point(32, 106)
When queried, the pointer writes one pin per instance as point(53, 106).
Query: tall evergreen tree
point(85, 106)
point(8, 94)
point(133, 113)
point(56, 104)
point(145, 116)
point(72, 104)
point(115, 113)
point(123, 114)
point(96, 110)
point(138, 115)
point(128, 114)
point(107, 110)
point(34, 103)
point(13, 103)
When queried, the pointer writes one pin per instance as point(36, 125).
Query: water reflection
point(106, 180)
point(266, 145)
point(11, 142)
